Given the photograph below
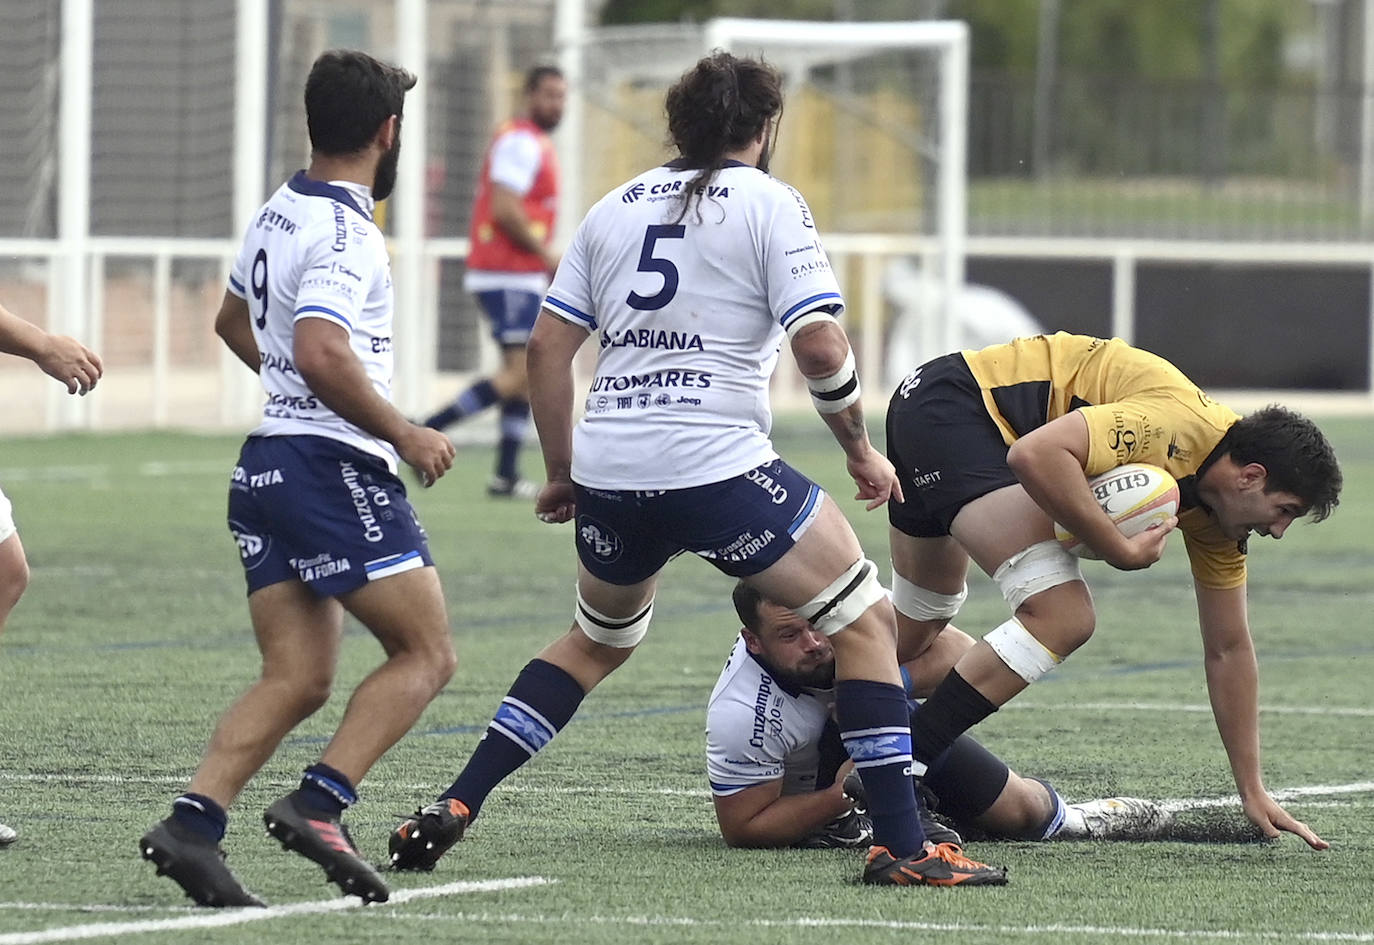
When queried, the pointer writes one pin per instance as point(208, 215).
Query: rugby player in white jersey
point(692, 275)
point(321, 518)
point(777, 768)
point(76, 367)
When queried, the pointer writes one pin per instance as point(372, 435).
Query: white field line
point(1284, 794)
point(818, 922)
point(153, 469)
point(227, 917)
point(240, 916)
point(1191, 708)
point(90, 907)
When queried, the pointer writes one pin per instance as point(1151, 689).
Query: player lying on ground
point(776, 763)
point(995, 446)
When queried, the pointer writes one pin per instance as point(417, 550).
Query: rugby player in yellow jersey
point(994, 446)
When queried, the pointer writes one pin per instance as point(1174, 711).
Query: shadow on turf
point(1204, 826)
point(1216, 827)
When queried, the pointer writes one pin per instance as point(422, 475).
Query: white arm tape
point(810, 318)
point(836, 392)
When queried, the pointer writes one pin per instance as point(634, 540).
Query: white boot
point(1115, 818)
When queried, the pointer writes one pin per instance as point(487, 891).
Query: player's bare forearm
point(873, 475)
point(1049, 462)
point(1233, 687)
point(509, 214)
point(850, 430)
point(20, 337)
point(335, 375)
point(236, 331)
point(551, 408)
point(782, 821)
point(821, 350)
point(1232, 673)
point(549, 358)
point(338, 378)
point(62, 358)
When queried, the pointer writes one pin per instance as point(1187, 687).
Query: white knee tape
point(1038, 568)
point(1024, 655)
point(613, 631)
point(845, 600)
point(918, 603)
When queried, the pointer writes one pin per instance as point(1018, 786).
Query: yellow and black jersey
point(1139, 409)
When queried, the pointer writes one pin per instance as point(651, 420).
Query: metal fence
point(1179, 160)
point(191, 113)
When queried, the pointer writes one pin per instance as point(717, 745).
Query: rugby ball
point(1134, 496)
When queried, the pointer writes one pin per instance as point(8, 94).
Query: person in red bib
point(509, 265)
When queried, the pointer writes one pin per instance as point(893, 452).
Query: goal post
point(874, 133)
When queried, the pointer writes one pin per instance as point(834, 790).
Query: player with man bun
point(693, 275)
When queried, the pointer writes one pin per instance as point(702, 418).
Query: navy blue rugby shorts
point(741, 525)
point(512, 313)
point(318, 510)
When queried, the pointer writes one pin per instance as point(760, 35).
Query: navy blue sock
point(876, 728)
point(1056, 820)
point(515, 424)
point(540, 702)
point(326, 790)
point(200, 814)
point(475, 399)
point(952, 709)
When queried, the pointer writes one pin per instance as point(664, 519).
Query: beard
point(385, 180)
point(547, 121)
point(822, 677)
point(766, 155)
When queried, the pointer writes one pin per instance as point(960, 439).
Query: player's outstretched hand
point(428, 451)
point(876, 479)
point(1144, 549)
point(556, 502)
point(70, 362)
point(1266, 814)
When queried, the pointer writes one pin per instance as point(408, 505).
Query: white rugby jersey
point(313, 251)
point(690, 316)
point(757, 731)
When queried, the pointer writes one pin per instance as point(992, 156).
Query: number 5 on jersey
point(648, 262)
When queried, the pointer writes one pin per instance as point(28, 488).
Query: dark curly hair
point(718, 106)
point(748, 600)
point(1296, 455)
point(347, 97)
point(538, 74)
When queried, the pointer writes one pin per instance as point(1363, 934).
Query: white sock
point(1073, 824)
